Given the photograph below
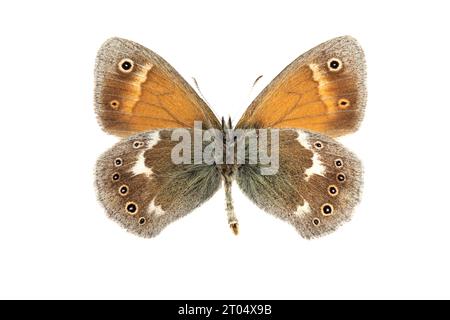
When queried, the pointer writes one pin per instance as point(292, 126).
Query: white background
point(55, 240)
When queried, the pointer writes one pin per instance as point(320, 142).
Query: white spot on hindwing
point(139, 166)
point(153, 139)
point(303, 209)
point(303, 139)
point(156, 210)
point(317, 166)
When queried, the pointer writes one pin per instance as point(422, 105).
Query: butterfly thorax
point(228, 171)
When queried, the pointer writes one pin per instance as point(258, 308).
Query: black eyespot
point(333, 190)
point(142, 221)
point(137, 144)
point(123, 190)
point(114, 104)
point(126, 65)
point(316, 221)
point(341, 177)
point(131, 208)
point(115, 176)
point(327, 209)
point(118, 162)
point(343, 103)
point(318, 145)
point(334, 64)
point(338, 163)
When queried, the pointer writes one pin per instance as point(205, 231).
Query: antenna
point(257, 79)
point(254, 84)
point(200, 91)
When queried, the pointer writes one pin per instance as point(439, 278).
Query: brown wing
point(136, 91)
point(323, 90)
point(143, 190)
point(316, 187)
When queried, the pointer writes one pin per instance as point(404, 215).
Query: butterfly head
point(227, 124)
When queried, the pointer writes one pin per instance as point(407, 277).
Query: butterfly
point(139, 97)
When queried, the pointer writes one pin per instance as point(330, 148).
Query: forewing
point(136, 91)
point(323, 90)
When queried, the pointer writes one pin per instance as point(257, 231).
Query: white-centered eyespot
point(126, 65)
point(142, 221)
point(123, 190)
point(335, 65)
point(341, 177)
point(326, 209)
point(118, 162)
point(338, 163)
point(131, 208)
point(115, 176)
point(318, 145)
point(333, 190)
point(316, 222)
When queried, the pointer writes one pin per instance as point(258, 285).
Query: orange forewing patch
point(152, 95)
point(308, 95)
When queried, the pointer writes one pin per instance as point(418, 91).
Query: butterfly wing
point(323, 90)
point(143, 190)
point(137, 91)
point(316, 187)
